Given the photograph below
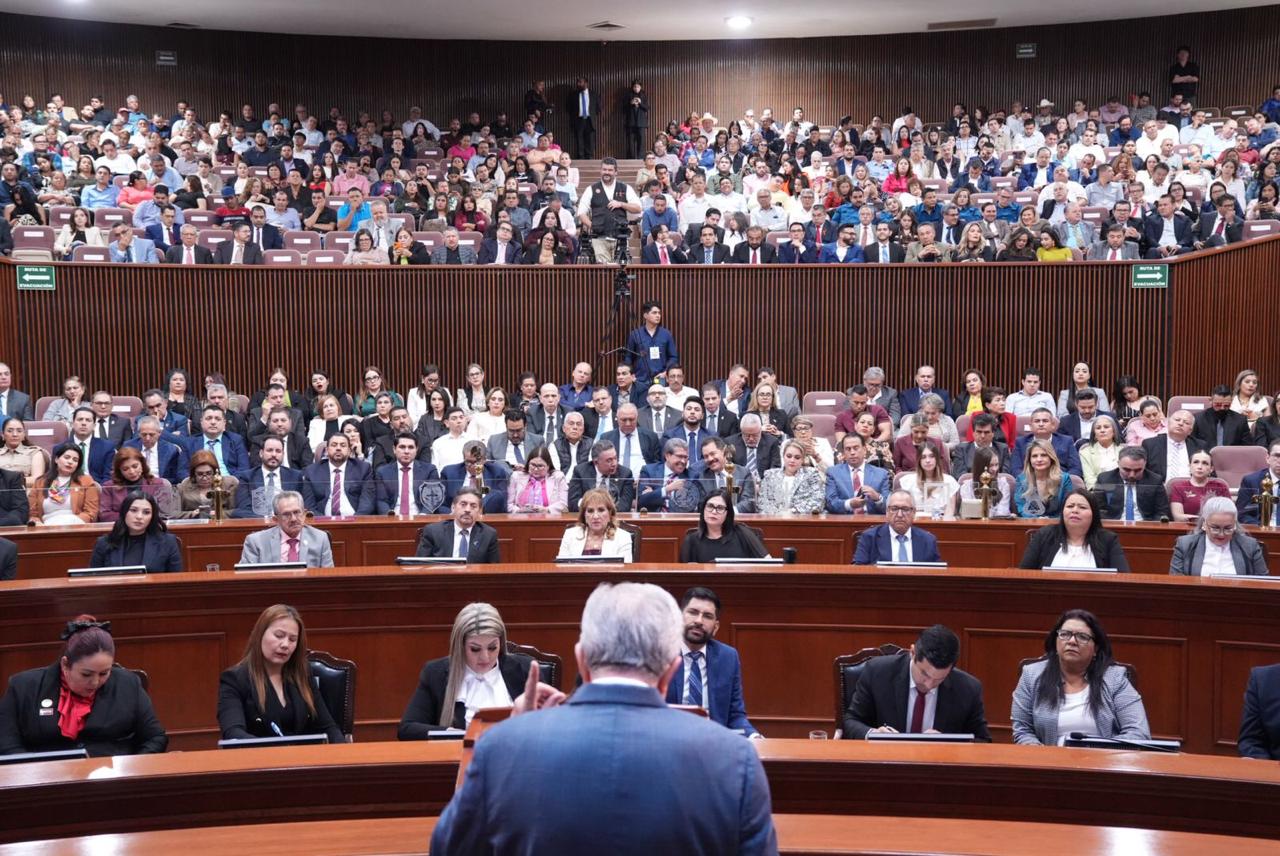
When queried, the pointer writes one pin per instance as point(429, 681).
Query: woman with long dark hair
point(1077, 539)
point(139, 537)
point(717, 536)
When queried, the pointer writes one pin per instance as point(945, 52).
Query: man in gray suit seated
point(1114, 249)
point(290, 540)
point(12, 401)
point(453, 253)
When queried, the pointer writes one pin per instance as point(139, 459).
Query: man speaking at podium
point(613, 770)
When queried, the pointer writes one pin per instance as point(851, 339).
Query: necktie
point(293, 550)
point(188, 256)
point(404, 491)
point(866, 235)
point(84, 458)
point(272, 489)
point(464, 543)
point(4, 404)
point(706, 256)
point(626, 451)
point(902, 551)
point(1217, 229)
point(237, 255)
point(884, 254)
point(751, 458)
point(917, 714)
point(857, 486)
point(1115, 254)
point(1129, 503)
point(152, 462)
point(1221, 433)
point(659, 420)
point(694, 452)
point(335, 494)
point(694, 695)
point(257, 236)
point(551, 427)
point(519, 454)
point(662, 256)
point(711, 422)
point(755, 257)
point(582, 104)
point(102, 428)
point(215, 446)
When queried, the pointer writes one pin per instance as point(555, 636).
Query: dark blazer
point(909, 399)
point(172, 459)
point(697, 254)
point(742, 254)
point(436, 539)
point(605, 728)
point(871, 253)
point(1235, 428)
point(1063, 445)
point(768, 452)
point(538, 419)
point(1151, 499)
point(174, 254)
point(118, 429)
point(1153, 227)
point(650, 444)
point(679, 431)
point(1157, 449)
point(19, 404)
point(387, 485)
point(496, 478)
point(422, 716)
point(357, 484)
point(251, 488)
point(1250, 487)
point(8, 559)
point(1070, 425)
point(15, 509)
point(418, 254)
point(881, 699)
point(1260, 720)
point(160, 553)
point(622, 486)
point(563, 454)
point(298, 453)
point(252, 254)
point(670, 415)
point(489, 252)
point(649, 255)
point(962, 458)
point(1047, 540)
point(155, 233)
point(726, 422)
point(591, 422)
point(1232, 234)
point(272, 238)
point(234, 453)
point(724, 687)
point(122, 721)
point(787, 254)
point(1247, 554)
point(877, 544)
point(240, 716)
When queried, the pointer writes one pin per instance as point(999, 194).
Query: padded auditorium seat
point(1233, 463)
point(335, 680)
point(283, 258)
point(824, 401)
point(302, 241)
point(85, 253)
point(325, 258)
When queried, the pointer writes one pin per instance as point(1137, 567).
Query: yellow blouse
point(1058, 254)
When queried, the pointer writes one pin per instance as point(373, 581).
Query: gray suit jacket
point(1188, 555)
point(264, 546)
point(788, 400)
point(467, 254)
point(1121, 713)
point(499, 443)
point(18, 404)
point(1086, 229)
point(1099, 252)
point(671, 417)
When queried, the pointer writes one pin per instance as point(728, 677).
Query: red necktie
point(1115, 255)
point(293, 550)
point(335, 495)
point(1217, 230)
point(404, 491)
point(755, 257)
point(189, 260)
point(857, 486)
point(917, 715)
point(662, 256)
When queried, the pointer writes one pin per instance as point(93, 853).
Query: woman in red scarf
point(83, 701)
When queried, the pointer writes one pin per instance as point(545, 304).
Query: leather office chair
point(550, 666)
point(142, 676)
point(335, 680)
point(848, 668)
point(635, 538)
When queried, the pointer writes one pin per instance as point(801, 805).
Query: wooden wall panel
point(831, 76)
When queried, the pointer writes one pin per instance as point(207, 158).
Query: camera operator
point(605, 209)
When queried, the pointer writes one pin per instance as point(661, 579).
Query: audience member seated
point(906, 449)
point(341, 485)
point(669, 486)
point(1218, 424)
point(1259, 722)
point(477, 673)
point(932, 488)
point(940, 699)
point(101, 707)
point(139, 537)
point(1076, 687)
point(1042, 485)
point(258, 487)
point(896, 540)
point(603, 471)
point(1044, 430)
point(1150, 423)
point(490, 478)
point(290, 539)
point(131, 474)
point(270, 692)
point(227, 448)
point(1077, 540)
point(1218, 545)
point(982, 428)
point(1188, 495)
point(64, 408)
point(1132, 493)
point(463, 537)
point(1102, 452)
point(816, 450)
point(1000, 503)
point(195, 493)
point(1169, 454)
point(18, 457)
point(710, 672)
point(1251, 486)
point(794, 487)
point(717, 535)
point(714, 471)
point(854, 486)
point(597, 532)
point(539, 488)
point(64, 496)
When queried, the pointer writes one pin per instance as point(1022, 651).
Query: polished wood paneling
point(1192, 640)
point(830, 77)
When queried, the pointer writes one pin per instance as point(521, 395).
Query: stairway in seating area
point(589, 173)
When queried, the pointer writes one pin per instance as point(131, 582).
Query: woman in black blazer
point(477, 673)
point(1077, 540)
point(83, 701)
point(139, 537)
point(407, 251)
point(269, 693)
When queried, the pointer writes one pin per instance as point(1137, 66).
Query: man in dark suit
point(1251, 486)
point(631, 635)
point(355, 495)
point(173, 425)
point(298, 453)
point(239, 250)
point(636, 446)
point(494, 475)
point(718, 420)
point(547, 421)
point(1078, 425)
point(14, 507)
point(753, 449)
point(1131, 492)
point(262, 233)
point(710, 672)
point(754, 250)
point(712, 475)
point(13, 402)
point(167, 460)
point(597, 417)
point(896, 540)
point(690, 429)
point(258, 487)
point(708, 250)
point(1043, 425)
point(464, 536)
point(188, 252)
point(693, 235)
point(658, 417)
point(1167, 233)
point(984, 437)
point(1260, 720)
point(661, 249)
point(604, 472)
point(1223, 226)
point(501, 249)
point(884, 250)
point(573, 447)
point(9, 558)
point(215, 437)
point(106, 425)
point(797, 250)
point(398, 485)
point(96, 454)
point(583, 110)
point(1219, 425)
point(1114, 247)
point(668, 486)
point(893, 692)
point(1169, 455)
point(926, 377)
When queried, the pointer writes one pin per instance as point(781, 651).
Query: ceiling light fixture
point(738, 22)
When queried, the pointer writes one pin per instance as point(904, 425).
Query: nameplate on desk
point(249, 567)
point(409, 561)
point(111, 571)
point(1123, 744)
point(1058, 570)
point(939, 565)
point(188, 521)
point(446, 734)
point(589, 560)
point(1227, 575)
point(890, 737)
point(59, 755)
point(768, 560)
point(265, 742)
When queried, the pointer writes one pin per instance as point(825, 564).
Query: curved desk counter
point(1191, 639)
point(1077, 787)
point(826, 539)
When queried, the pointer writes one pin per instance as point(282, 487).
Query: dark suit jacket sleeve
point(1112, 552)
point(861, 715)
point(428, 544)
point(101, 553)
point(1254, 740)
point(930, 543)
point(15, 509)
point(626, 491)
point(422, 716)
point(737, 707)
point(172, 562)
point(233, 691)
point(8, 560)
point(1041, 541)
point(864, 553)
point(970, 691)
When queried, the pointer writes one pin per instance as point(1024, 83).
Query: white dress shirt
point(480, 691)
point(636, 460)
point(1217, 560)
point(1177, 463)
point(447, 450)
point(702, 665)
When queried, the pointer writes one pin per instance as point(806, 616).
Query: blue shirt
point(879, 171)
point(571, 399)
point(92, 198)
point(652, 219)
point(148, 214)
point(363, 213)
point(924, 215)
point(970, 214)
point(650, 354)
point(1008, 213)
point(29, 160)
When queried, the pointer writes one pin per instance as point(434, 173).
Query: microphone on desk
point(1132, 744)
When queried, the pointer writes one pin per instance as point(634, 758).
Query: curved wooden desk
point(1078, 787)
point(826, 539)
point(1192, 640)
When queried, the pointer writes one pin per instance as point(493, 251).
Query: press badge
point(46, 707)
point(654, 353)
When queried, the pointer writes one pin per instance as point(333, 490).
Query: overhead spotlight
point(738, 22)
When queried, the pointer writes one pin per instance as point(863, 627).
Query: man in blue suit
point(669, 486)
point(690, 429)
point(896, 540)
point(926, 377)
point(167, 460)
point(406, 470)
point(495, 474)
point(854, 486)
point(710, 673)
point(174, 425)
point(691, 787)
point(844, 250)
point(500, 250)
point(126, 249)
point(1043, 425)
point(797, 250)
point(101, 453)
point(258, 488)
point(228, 448)
point(1037, 174)
point(1251, 486)
point(1260, 719)
point(356, 494)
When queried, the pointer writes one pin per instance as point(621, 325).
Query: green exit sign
point(36, 277)
point(1149, 276)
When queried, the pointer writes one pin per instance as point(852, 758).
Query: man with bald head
point(576, 394)
point(1169, 455)
point(547, 419)
point(636, 445)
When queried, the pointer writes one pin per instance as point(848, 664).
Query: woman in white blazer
point(77, 232)
point(596, 533)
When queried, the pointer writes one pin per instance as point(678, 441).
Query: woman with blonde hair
point(1042, 486)
point(477, 673)
point(597, 532)
point(764, 403)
